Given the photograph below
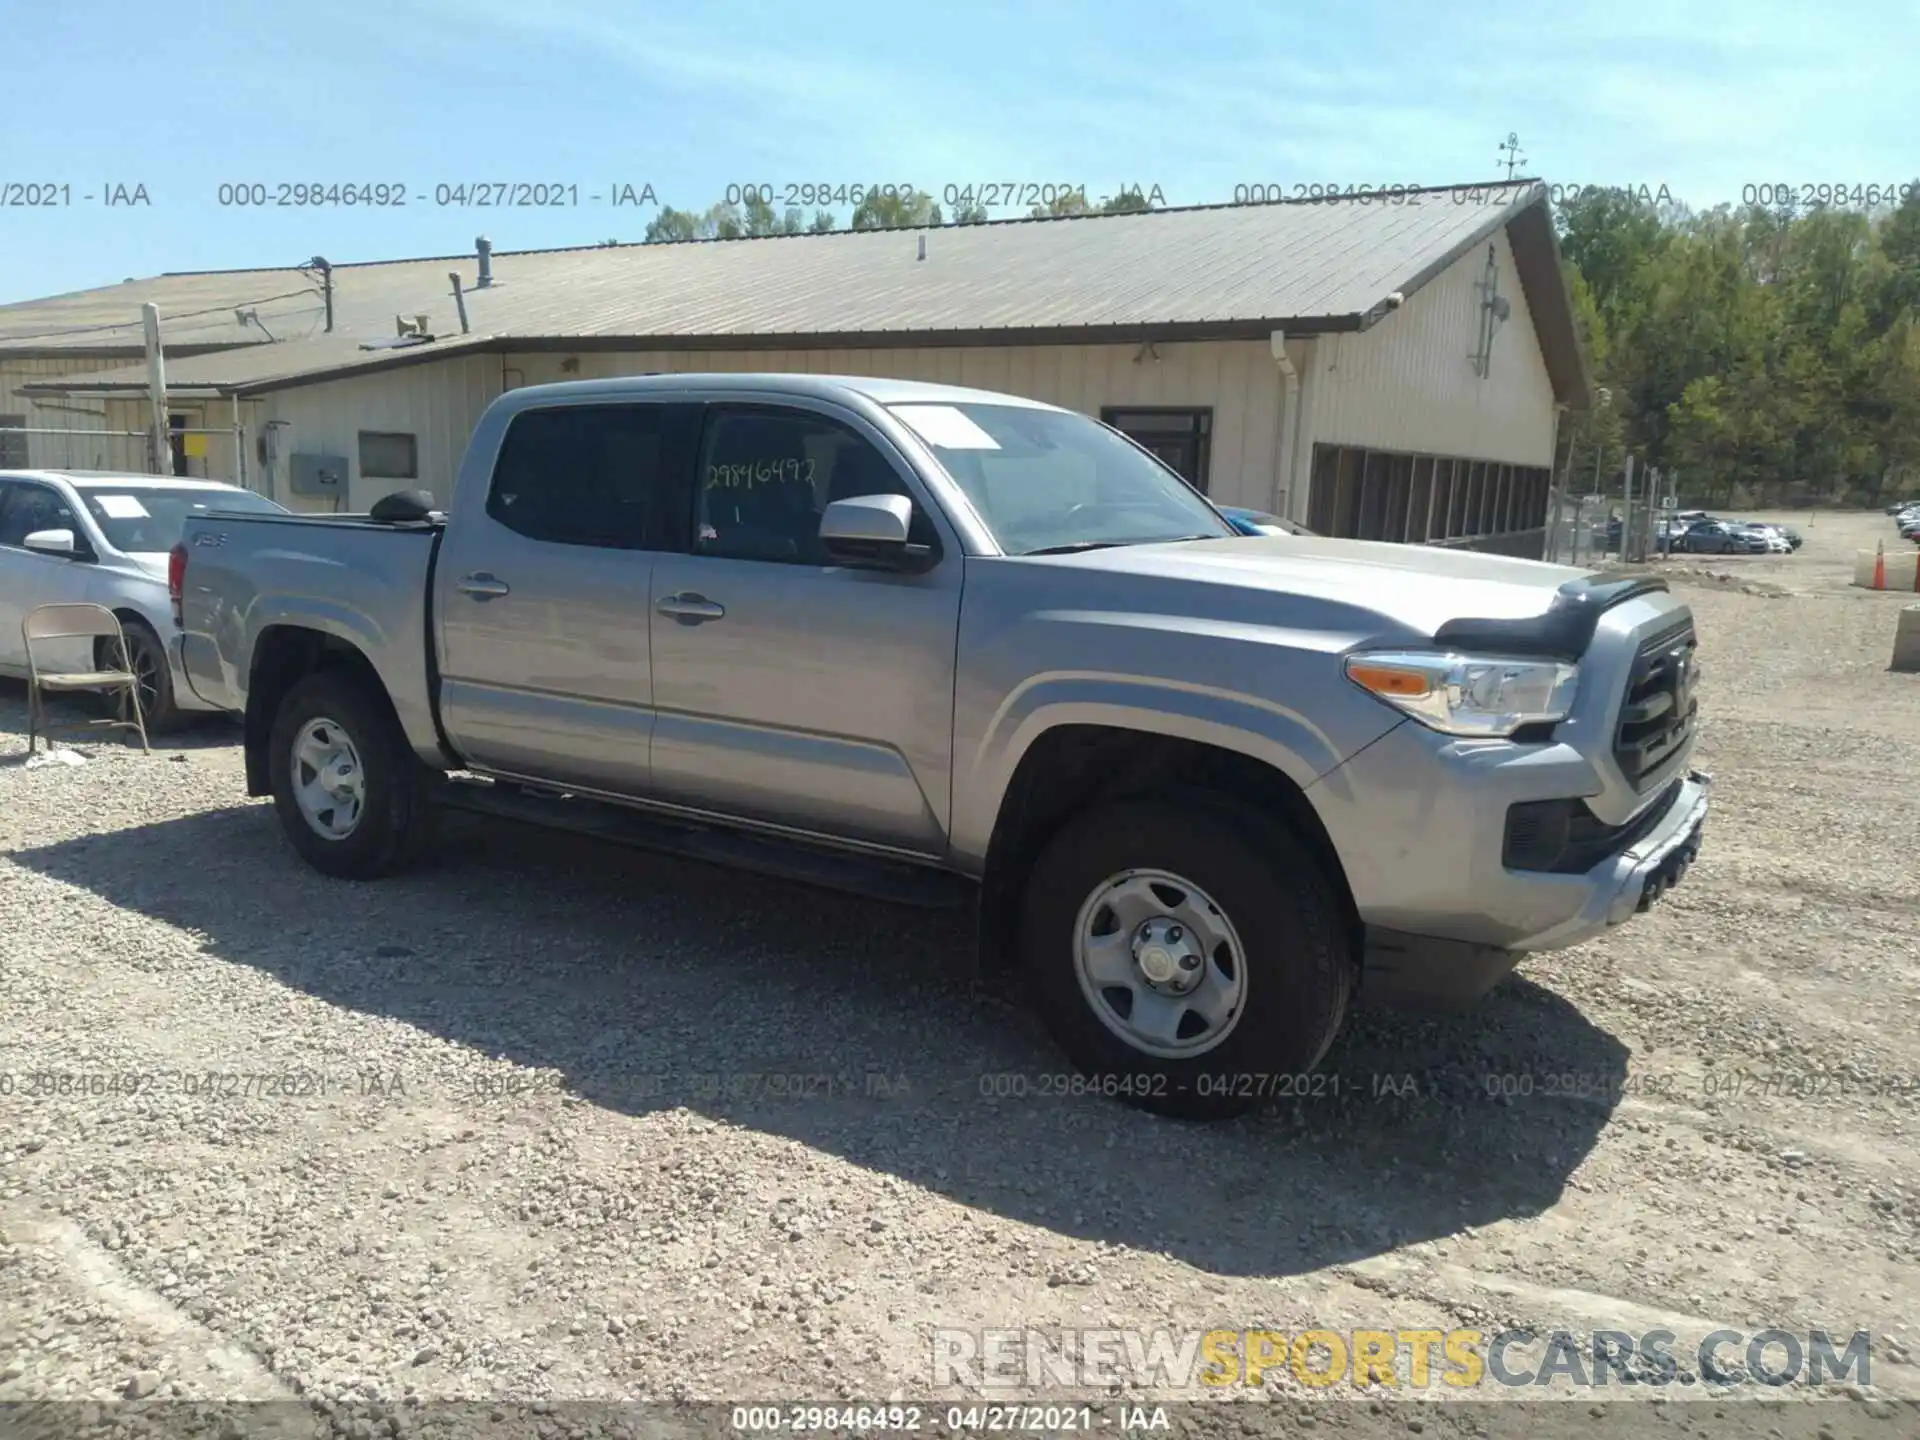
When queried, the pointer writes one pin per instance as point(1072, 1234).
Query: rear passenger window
point(766, 476)
point(613, 476)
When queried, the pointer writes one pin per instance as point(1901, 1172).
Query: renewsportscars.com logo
point(1030, 1360)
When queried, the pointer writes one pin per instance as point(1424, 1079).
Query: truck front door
point(541, 599)
point(787, 690)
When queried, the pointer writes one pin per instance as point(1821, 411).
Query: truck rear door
point(541, 594)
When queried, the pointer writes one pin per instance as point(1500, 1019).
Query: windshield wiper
point(1076, 546)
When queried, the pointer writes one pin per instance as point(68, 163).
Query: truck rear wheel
point(352, 796)
point(1190, 958)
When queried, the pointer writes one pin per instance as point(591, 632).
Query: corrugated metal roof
point(1199, 271)
point(261, 367)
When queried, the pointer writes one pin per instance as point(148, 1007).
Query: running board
point(869, 876)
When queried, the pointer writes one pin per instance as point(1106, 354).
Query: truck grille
point(1658, 711)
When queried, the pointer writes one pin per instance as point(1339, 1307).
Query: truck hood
point(1413, 588)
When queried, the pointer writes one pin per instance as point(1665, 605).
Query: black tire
point(1293, 933)
point(397, 810)
point(148, 657)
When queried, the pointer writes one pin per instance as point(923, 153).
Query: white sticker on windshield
point(121, 507)
point(946, 427)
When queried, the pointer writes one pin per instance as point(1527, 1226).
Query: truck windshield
point(147, 519)
point(1050, 480)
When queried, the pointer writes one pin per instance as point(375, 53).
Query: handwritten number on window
point(759, 472)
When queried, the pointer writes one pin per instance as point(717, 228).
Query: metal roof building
point(1388, 366)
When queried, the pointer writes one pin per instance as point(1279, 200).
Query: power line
point(134, 324)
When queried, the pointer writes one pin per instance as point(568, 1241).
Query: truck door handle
point(481, 586)
point(690, 608)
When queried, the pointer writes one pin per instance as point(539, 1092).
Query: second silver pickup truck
point(938, 644)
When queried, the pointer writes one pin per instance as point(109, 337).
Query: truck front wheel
point(1190, 958)
point(352, 796)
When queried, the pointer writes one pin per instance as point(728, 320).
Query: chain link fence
point(1577, 529)
point(197, 453)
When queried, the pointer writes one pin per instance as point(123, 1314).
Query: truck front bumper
point(1419, 825)
point(1430, 971)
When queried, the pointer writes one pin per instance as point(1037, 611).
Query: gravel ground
point(540, 1147)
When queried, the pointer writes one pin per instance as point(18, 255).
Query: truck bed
point(363, 581)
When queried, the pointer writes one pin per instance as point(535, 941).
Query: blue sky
point(1700, 96)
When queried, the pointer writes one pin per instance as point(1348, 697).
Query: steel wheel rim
point(329, 786)
point(146, 677)
point(1160, 964)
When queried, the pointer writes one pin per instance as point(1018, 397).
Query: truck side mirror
point(53, 542)
point(870, 532)
point(403, 507)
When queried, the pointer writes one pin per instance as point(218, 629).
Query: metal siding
point(52, 413)
point(436, 403)
point(1408, 383)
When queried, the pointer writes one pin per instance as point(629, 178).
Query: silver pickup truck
point(945, 646)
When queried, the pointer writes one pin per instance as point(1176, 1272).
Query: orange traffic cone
point(1880, 565)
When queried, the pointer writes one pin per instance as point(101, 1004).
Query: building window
point(1181, 438)
point(389, 455)
point(13, 442)
point(1361, 494)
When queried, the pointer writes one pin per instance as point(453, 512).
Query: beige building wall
point(84, 447)
point(1409, 383)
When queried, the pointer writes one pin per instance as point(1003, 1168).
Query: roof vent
point(483, 247)
point(923, 246)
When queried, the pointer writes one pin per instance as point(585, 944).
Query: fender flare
point(1262, 730)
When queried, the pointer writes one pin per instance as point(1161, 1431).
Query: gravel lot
point(529, 1180)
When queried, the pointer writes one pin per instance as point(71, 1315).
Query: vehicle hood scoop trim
point(1562, 633)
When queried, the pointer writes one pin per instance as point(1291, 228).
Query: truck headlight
point(1467, 694)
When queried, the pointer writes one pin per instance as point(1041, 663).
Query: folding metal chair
point(80, 621)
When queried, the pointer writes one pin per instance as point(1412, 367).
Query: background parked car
point(1719, 537)
point(103, 537)
point(1259, 522)
point(1774, 538)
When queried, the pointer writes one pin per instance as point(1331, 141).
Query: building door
point(1179, 437)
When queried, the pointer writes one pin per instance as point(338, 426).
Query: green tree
point(723, 221)
point(1765, 355)
point(671, 224)
point(882, 211)
point(1075, 202)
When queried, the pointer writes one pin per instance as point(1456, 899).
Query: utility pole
point(319, 262)
point(160, 438)
point(1626, 512)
